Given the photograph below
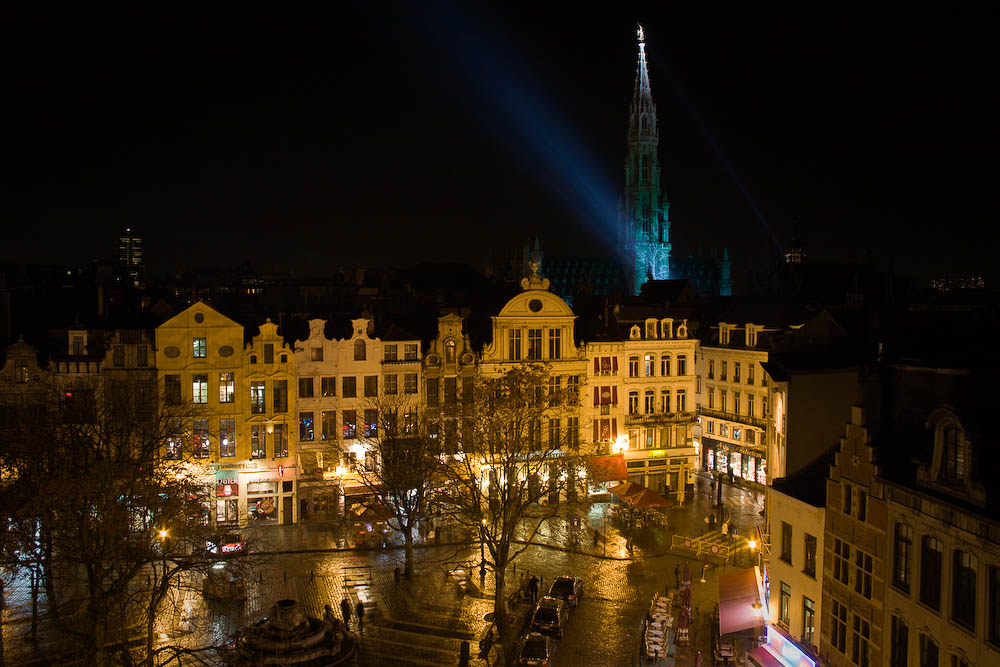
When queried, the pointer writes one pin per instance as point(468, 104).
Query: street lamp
point(758, 608)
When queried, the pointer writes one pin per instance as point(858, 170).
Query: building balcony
point(400, 362)
point(659, 418)
point(733, 417)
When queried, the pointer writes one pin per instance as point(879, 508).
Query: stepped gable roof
point(809, 483)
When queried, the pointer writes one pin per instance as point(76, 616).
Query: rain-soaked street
point(424, 620)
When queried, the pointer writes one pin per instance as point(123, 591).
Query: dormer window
point(751, 335)
point(953, 463)
point(650, 328)
point(724, 333)
point(359, 350)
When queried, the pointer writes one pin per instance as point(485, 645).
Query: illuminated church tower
point(644, 226)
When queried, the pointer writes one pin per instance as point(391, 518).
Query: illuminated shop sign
point(227, 488)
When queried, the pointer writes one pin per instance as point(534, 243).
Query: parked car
point(568, 589)
point(536, 649)
point(549, 617)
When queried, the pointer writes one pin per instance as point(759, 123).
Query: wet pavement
point(425, 620)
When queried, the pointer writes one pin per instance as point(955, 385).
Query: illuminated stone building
point(342, 383)
point(734, 399)
point(653, 383)
point(130, 256)
point(449, 375)
point(538, 326)
point(643, 212)
point(201, 378)
point(268, 378)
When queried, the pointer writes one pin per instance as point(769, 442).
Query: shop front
point(270, 496)
point(780, 650)
point(744, 464)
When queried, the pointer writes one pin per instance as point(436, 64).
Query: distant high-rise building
point(644, 224)
point(130, 256)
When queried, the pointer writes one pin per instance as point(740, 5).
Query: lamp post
point(162, 534)
point(752, 543)
point(482, 551)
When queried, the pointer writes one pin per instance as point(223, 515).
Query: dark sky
point(435, 131)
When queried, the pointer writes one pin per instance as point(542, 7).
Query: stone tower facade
point(644, 224)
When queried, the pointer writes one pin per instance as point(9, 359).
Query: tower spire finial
point(642, 98)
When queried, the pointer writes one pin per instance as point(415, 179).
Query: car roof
point(549, 601)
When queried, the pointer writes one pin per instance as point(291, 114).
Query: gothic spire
point(642, 96)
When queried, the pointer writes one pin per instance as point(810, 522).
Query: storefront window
point(736, 464)
point(711, 459)
point(761, 471)
point(261, 504)
point(751, 468)
point(227, 510)
point(721, 461)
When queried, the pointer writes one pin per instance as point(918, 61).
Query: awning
point(360, 490)
point(737, 593)
point(762, 657)
point(608, 468)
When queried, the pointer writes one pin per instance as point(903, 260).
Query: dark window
point(349, 386)
point(328, 386)
point(534, 344)
point(900, 641)
point(451, 390)
point(928, 652)
point(963, 596)
point(809, 567)
point(863, 574)
point(410, 352)
point(306, 387)
point(993, 603)
point(172, 389)
point(930, 572)
point(862, 635)
point(410, 383)
point(862, 505)
point(468, 391)
point(141, 356)
point(268, 353)
point(786, 543)
point(359, 350)
point(391, 385)
point(390, 352)
point(555, 343)
point(371, 386)
point(119, 355)
point(848, 496)
point(281, 395)
point(433, 393)
point(902, 555)
point(841, 561)
point(838, 637)
point(316, 354)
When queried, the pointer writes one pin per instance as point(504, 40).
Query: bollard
point(463, 654)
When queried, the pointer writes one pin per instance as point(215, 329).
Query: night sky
point(439, 132)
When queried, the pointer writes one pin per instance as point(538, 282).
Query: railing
point(700, 547)
point(659, 417)
point(732, 416)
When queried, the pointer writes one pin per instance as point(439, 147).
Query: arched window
point(642, 122)
point(359, 350)
point(449, 352)
point(644, 176)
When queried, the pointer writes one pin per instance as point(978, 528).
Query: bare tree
point(510, 471)
point(108, 518)
point(402, 465)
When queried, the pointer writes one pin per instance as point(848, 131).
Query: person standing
point(533, 589)
point(360, 610)
point(345, 610)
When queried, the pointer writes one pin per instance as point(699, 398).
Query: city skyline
point(286, 142)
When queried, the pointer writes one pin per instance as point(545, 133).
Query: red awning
point(608, 468)
point(737, 593)
point(764, 658)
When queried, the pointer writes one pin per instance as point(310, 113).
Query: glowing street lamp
point(758, 608)
point(752, 543)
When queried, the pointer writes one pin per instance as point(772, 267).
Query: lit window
point(227, 388)
point(227, 437)
point(200, 348)
point(199, 389)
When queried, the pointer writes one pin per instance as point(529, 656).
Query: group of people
point(345, 610)
point(529, 585)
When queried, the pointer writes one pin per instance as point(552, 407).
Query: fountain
point(288, 637)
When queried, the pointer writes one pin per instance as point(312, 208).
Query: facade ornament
point(534, 281)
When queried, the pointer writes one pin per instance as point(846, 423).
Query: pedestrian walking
point(533, 589)
point(360, 610)
point(345, 610)
point(677, 575)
